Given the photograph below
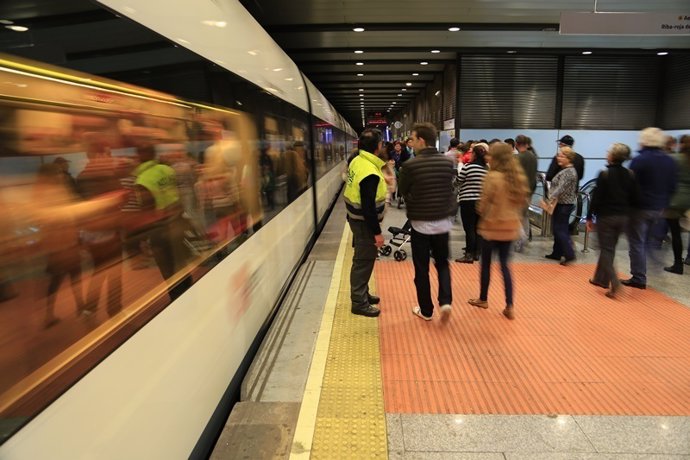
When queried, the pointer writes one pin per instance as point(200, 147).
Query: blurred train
point(145, 244)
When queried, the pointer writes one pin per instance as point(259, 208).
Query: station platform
point(576, 375)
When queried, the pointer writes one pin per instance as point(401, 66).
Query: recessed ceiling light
point(20, 28)
point(359, 51)
point(662, 53)
point(453, 29)
point(6, 22)
point(408, 84)
point(393, 103)
point(361, 89)
point(415, 74)
point(399, 94)
point(437, 92)
point(435, 51)
point(511, 51)
point(423, 63)
point(358, 29)
point(404, 89)
point(360, 74)
point(586, 52)
point(359, 63)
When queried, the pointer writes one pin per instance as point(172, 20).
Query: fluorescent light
point(415, 74)
point(359, 52)
point(408, 84)
point(437, 93)
point(423, 63)
point(359, 63)
point(453, 29)
point(6, 22)
point(361, 89)
point(662, 53)
point(435, 51)
point(586, 52)
point(399, 95)
point(17, 28)
point(360, 74)
point(358, 29)
point(511, 51)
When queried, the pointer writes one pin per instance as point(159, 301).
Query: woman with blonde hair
point(504, 196)
point(564, 193)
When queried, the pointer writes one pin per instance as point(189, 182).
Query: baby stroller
point(401, 236)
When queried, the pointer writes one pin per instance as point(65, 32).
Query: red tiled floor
point(571, 350)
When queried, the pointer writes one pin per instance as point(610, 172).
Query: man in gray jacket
point(528, 161)
point(426, 183)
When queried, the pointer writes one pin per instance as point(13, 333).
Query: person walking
point(613, 199)
point(656, 174)
point(528, 161)
point(680, 203)
point(365, 201)
point(426, 182)
point(504, 196)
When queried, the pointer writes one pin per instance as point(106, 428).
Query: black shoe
point(374, 300)
point(632, 283)
point(567, 261)
point(465, 260)
point(687, 260)
point(675, 268)
point(591, 281)
point(552, 257)
point(369, 311)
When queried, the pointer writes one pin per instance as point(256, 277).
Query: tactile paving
point(350, 421)
point(570, 350)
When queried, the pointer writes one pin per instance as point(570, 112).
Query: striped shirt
point(564, 186)
point(470, 179)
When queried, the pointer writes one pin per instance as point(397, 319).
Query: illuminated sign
point(573, 23)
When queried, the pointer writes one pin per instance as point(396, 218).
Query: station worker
point(365, 200)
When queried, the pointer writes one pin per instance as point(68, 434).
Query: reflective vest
point(363, 165)
point(160, 181)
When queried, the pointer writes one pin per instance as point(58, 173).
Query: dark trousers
point(562, 244)
point(107, 267)
point(469, 216)
point(503, 248)
point(609, 229)
point(422, 244)
point(676, 241)
point(362, 263)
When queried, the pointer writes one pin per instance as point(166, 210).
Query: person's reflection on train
point(296, 170)
point(59, 236)
point(67, 177)
point(160, 215)
point(268, 179)
point(101, 234)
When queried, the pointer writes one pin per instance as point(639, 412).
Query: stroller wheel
point(403, 254)
point(399, 255)
point(386, 250)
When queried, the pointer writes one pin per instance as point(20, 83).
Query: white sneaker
point(445, 312)
point(418, 312)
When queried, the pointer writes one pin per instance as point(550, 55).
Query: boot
point(676, 268)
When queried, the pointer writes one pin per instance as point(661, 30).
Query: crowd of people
point(492, 183)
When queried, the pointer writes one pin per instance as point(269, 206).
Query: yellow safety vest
point(363, 165)
point(160, 181)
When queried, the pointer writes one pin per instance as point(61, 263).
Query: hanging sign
point(577, 23)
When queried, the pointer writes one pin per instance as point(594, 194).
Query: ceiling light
point(358, 29)
point(393, 103)
point(511, 51)
point(453, 29)
point(6, 22)
point(662, 53)
point(437, 93)
point(399, 95)
point(435, 51)
point(415, 74)
point(408, 84)
point(586, 52)
point(361, 89)
point(359, 63)
point(404, 89)
point(360, 74)
point(19, 28)
point(423, 63)
point(359, 51)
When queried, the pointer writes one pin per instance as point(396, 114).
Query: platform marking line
point(306, 422)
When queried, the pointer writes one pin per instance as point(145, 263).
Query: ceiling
point(319, 36)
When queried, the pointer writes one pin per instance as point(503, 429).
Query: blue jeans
point(641, 223)
point(503, 248)
point(562, 244)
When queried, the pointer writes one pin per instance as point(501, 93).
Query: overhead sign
point(449, 124)
point(574, 23)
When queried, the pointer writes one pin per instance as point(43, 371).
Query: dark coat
point(426, 182)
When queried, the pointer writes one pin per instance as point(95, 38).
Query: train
point(147, 241)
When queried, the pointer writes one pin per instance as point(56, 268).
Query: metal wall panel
point(676, 113)
point(610, 92)
point(508, 91)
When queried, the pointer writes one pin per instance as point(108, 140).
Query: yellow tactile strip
point(350, 421)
